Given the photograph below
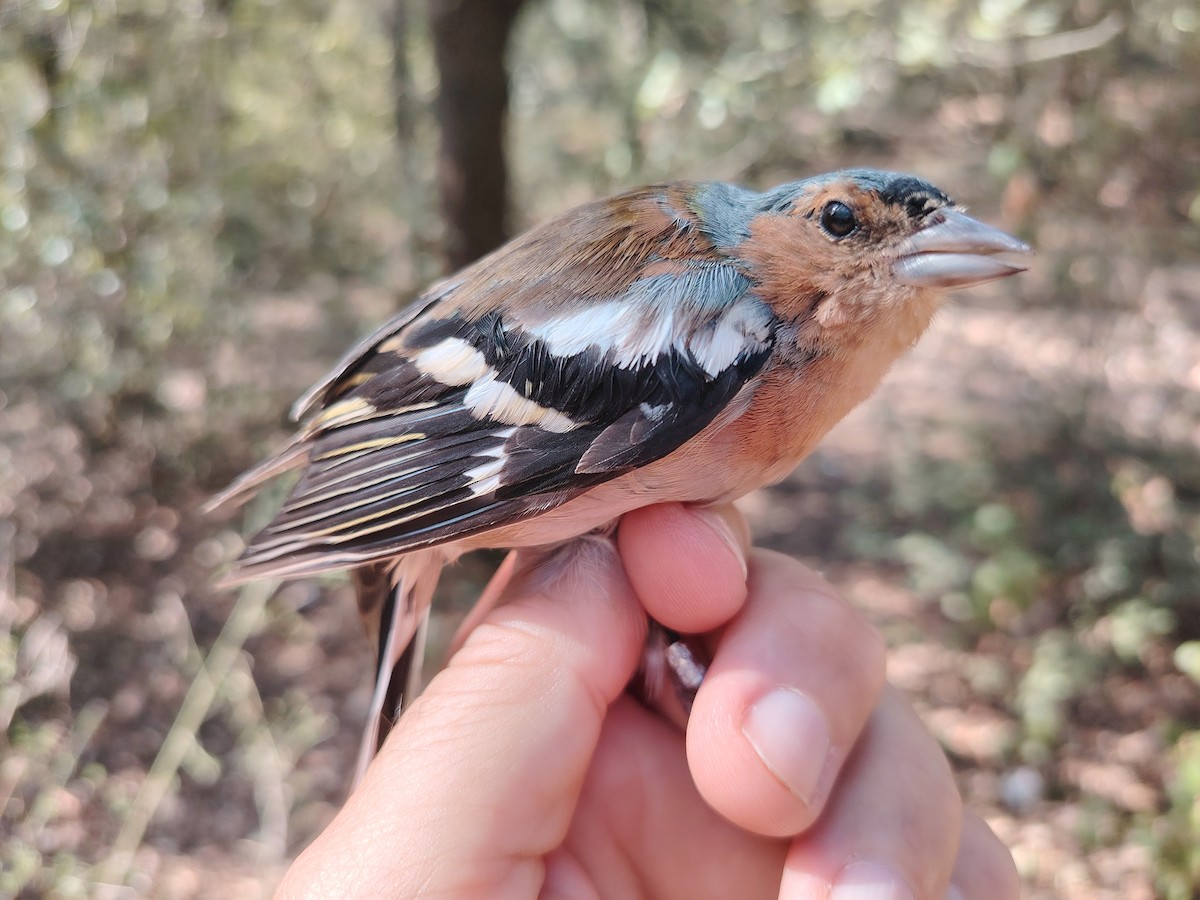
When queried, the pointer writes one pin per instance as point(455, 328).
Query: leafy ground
point(198, 213)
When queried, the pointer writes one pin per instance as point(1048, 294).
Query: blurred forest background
point(203, 202)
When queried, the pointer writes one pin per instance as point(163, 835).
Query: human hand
point(524, 770)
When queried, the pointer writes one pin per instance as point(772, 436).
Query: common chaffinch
point(680, 342)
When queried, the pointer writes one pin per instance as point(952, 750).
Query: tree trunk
point(469, 39)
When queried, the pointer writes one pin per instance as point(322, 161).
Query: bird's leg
point(668, 656)
point(686, 668)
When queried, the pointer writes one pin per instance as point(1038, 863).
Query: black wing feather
point(392, 483)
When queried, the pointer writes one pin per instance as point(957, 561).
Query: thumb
point(479, 779)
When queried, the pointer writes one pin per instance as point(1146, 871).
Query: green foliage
point(43, 784)
point(1057, 675)
point(1136, 624)
point(1175, 837)
point(155, 169)
point(1187, 659)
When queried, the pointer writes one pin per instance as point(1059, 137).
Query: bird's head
point(858, 252)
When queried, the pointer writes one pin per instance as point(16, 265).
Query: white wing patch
point(452, 362)
point(488, 398)
point(746, 325)
point(617, 325)
point(705, 313)
point(485, 478)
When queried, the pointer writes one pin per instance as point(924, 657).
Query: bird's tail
point(394, 599)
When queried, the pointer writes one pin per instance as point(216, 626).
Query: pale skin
point(526, 771)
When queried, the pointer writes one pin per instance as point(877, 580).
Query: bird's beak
point(956, 251)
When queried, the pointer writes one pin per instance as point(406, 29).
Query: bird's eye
point(838, 219)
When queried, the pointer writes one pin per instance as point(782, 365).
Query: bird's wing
point(477, 410)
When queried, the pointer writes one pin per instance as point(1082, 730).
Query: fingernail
point(721, 528)
point(791, 736)
point(869, 881)
point(955, 893)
